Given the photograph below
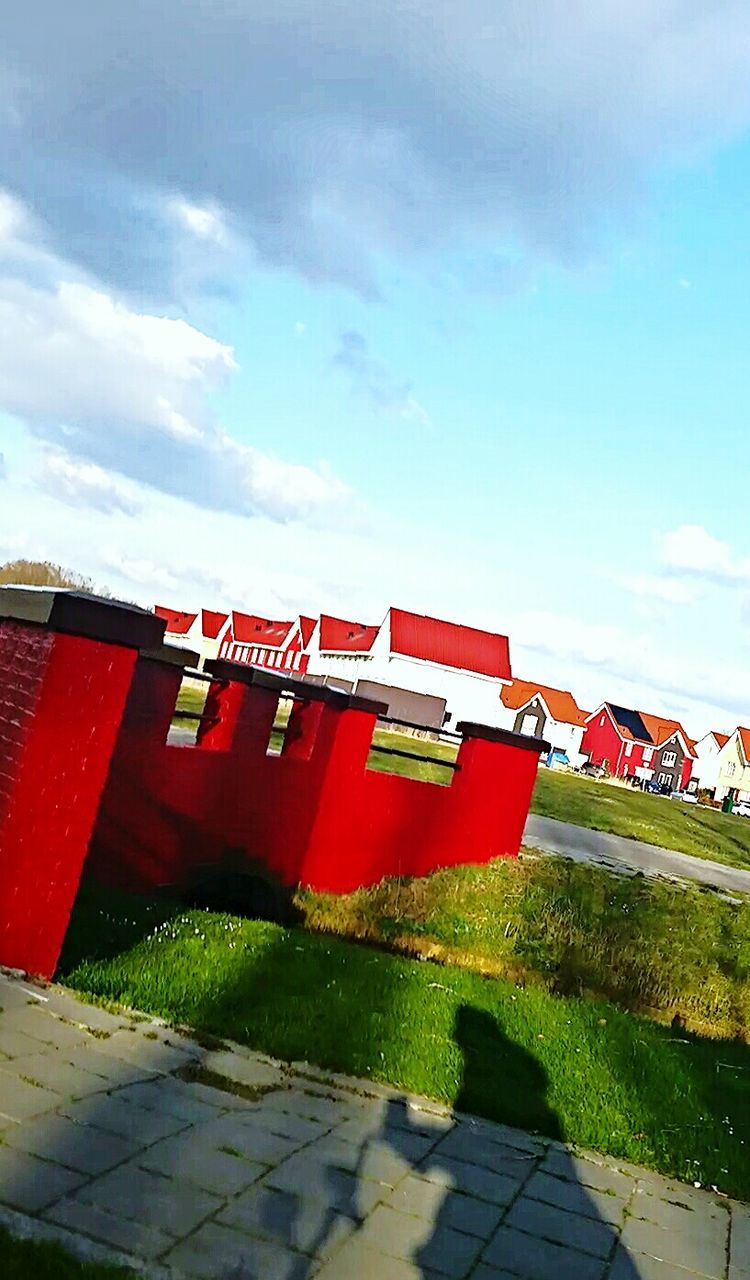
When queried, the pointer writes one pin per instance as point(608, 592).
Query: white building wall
point(706, 767)
point(468, 696)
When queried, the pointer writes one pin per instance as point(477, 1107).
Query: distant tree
point(40, 573)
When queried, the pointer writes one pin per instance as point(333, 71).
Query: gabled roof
point(630, 723)
point(744, 737)
point(449, 644)
point(248, 628)
point(661, 730)
point(721, 738)
point(561, 704)
point(337, 635)
point(178, 622)
point(306, 627)
point(212, 622)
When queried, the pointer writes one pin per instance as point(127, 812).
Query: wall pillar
point(66, 662)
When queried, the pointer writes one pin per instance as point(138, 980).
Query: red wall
point(314, 815)
point(602, 742)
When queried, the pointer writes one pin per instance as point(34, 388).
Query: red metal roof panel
point(178, 622)
point(212, 622)
point(337, 635)
point(450, 644)
point(248, 628)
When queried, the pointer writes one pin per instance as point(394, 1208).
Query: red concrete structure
point(94, 727)
point(66, 664)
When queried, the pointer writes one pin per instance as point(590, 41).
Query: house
point(201, 631)
point(544, 712)
point(706, 764)
point(734, 767)
point(642, 747)
point(464, 666)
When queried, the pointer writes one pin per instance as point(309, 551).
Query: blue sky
point(449, 309)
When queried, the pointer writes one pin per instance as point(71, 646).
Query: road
point(620, 854)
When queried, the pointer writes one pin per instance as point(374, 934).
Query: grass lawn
point(22, 1259)
point(570, 1067)
point(650, 946)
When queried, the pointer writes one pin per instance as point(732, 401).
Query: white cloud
point(396, 127)
point(13, 217)
point(667, 590)
point(84, 484)
point(693, 551)
point(128, 392)
point(205, 222)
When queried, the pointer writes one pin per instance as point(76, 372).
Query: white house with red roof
point(201, 631)
point(734, 766)
point(265, 642)
point(706, 765)
point(463, 665)
point(542, 711)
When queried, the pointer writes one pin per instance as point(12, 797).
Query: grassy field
point(569, 1067)
point(705, 833)
point(22, 1259)
point(652, 947)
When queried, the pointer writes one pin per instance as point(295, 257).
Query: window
point(730, 769)
point(528, 726)
point(628, 748)
point(601, 722)
point(664, 778)
point(668, 758)
point(647, 754)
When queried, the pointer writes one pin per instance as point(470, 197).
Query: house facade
point(733, 778)
point(544, 712)
point(640, 747)
point(706, 763)
point(201, 631)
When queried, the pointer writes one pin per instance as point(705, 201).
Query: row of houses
point(435, 673)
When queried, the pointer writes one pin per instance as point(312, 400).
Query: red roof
point(561, 705)
point(247, 628)
point(661, 729)
point(449, 644)
point(745, 740)
point(306, 627)
point(721, 738)
point(212, 623)
point(339, 636)
point(178, 623)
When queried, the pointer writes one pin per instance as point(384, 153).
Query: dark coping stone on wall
point(80, 613)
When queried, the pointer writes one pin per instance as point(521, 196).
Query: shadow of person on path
point(447, 1182)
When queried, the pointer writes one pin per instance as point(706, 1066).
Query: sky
point(446, 305)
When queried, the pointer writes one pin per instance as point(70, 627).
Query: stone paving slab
point(126, 1140)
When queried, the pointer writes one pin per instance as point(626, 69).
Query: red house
point(639, 746)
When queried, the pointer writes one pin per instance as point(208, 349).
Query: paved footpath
point(617, 853)
point(125, 1141)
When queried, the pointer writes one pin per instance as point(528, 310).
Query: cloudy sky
point(445, 305)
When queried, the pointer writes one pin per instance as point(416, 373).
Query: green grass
point(650, 946)
point(569, 1067)
point(688, 828)
point(21, 1259)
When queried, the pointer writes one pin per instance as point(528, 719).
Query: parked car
point(687, 796)
point(592, 770)
point(653, 788)
point(743, 809)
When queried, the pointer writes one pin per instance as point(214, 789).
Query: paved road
point(110, 1143)
point(619, 854)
